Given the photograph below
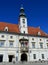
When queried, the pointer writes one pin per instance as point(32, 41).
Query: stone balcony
point(25, 49)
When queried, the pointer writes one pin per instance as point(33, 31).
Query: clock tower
point(23, 22)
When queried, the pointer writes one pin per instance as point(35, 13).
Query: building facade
point(22, 42)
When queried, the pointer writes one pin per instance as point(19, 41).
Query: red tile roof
point(34, 31)
point(15, 28)
point(11, 27)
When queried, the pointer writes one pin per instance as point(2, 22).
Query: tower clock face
point(23, 20)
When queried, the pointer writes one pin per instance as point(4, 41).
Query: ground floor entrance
point(24, 57)
point(1, 58)
point(10, 57)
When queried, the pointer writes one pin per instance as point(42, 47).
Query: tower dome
point(22, 13)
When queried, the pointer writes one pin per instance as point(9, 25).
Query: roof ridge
point(15, 28)
point(8, 23)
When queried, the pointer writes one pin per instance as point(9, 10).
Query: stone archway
point(24, 57)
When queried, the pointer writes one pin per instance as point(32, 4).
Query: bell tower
point(23, 22)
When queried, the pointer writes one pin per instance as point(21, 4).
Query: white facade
point(23, 25)
point(7, 49)
point(13, 45)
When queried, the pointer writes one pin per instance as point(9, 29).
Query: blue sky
point(36, 12)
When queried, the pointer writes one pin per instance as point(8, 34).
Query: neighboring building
point(22, 42)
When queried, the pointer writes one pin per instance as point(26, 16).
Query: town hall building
point(22, 42)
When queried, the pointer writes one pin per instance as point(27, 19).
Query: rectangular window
point(41, 45)
point(11, 44)
point(33, 44)
point(34, 56)
point(24, 32)
point(47, 45)
point(1, 43)
point(22, 44)
point(42, 56)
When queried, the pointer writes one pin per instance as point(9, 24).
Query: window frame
point(10, 43)
point(47, 45)
point(42, 56)
point(41, 45)
point(2, 43)
point(34, 56)
point(33, 44)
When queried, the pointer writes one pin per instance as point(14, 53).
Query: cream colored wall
point(6, 50)
point(21, 25)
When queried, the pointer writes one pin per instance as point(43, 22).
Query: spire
point(22, 11)
point(21, 6)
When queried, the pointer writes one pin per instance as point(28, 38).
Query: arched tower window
point(23, 20)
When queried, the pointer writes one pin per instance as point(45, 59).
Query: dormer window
point(39, 33)
point(6, 29)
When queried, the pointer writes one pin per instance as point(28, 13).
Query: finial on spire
point(22, 13)
point(22, 6)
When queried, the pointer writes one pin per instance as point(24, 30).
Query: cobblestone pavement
point(25, 63)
